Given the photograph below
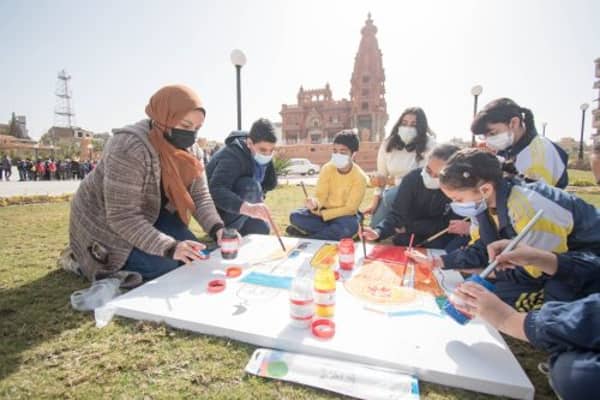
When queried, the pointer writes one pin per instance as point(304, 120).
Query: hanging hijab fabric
point(178, 167)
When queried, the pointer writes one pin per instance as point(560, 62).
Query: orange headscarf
point(178, 167)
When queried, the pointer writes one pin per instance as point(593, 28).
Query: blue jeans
point(574, 374)
point(335, 229)
point(151, 266)
point(250, 191)
point(385, 206)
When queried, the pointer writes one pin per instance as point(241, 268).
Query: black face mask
point(181, 138)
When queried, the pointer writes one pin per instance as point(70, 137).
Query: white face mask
point(428, 181)
point(340, 161)
point(407, 133)
point(262, 159)
point(501, 141)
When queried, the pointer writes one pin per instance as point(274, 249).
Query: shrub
point(281, 165)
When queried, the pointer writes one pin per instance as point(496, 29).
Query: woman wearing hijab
point(132, 212)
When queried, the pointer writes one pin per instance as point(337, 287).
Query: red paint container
point(346, 254)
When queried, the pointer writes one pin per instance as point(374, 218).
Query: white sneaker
point(544, 368)
point(67, 261)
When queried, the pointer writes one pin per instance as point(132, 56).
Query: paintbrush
point(276, 229)
point(362, 238)
point(410, 243)
point(409, 273)
point(513, 243)
point(304, 189)
point(437, 235)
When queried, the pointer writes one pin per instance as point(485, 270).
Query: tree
point(67, 150)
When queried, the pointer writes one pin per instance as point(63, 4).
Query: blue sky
point(540, 53)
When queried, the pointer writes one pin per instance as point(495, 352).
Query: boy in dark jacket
point(240, 175)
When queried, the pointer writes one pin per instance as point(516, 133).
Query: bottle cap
point(323, 328)
point(233, 272)
point(216, 286)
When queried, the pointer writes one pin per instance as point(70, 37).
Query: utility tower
point(64, 114)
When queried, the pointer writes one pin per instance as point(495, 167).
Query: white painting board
point(432, 347)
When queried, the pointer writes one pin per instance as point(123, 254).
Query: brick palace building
point(309, 126)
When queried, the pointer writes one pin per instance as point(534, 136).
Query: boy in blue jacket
point(569, 331)
point(240, 175)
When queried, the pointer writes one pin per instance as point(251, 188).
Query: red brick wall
point(321, 153)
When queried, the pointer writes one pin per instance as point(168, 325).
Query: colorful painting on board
point(386, 278)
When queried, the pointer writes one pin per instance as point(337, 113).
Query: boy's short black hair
point(262, 131)
point(348, 138)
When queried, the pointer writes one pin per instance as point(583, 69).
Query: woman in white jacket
point(400, 153)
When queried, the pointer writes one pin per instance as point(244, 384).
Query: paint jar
point(302, 306)
point(324, 286)
point(450, 307)
point(346, 254)
point(230, 244)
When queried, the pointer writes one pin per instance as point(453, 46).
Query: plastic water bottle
point(324, 285)
point(302, 306)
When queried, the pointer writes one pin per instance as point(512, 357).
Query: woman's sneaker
point(67, 261)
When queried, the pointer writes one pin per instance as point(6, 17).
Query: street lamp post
point(36, 148)
point(544, 128)
point(238, 59)
point(90, 147)
point(583, 108)
point(475, 91)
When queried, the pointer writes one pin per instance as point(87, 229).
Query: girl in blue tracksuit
point(500, 208)
point(509, 129)
point(570, 332)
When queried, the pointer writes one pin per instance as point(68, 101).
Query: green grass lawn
point(579, 175)
point(48, 350)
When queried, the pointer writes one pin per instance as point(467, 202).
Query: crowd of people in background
point(51, 169)
point(5, 167)
point(45, 169)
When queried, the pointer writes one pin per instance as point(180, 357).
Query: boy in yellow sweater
point(341, 186)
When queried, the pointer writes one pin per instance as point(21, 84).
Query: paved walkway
point(55, 188)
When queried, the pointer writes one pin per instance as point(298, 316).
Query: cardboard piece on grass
point(347, 378)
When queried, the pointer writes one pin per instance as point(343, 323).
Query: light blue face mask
point(468, 208)
point(262, 159)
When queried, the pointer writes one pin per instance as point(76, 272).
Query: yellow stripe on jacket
point(540, 161)
point(340, 194)
point(550, 232)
